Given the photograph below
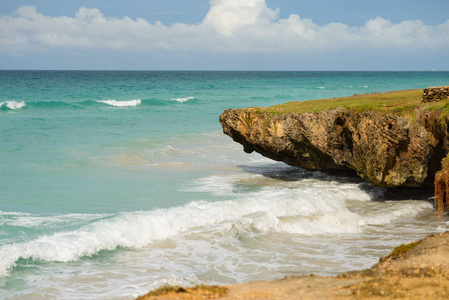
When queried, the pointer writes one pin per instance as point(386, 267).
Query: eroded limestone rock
point(384, 148)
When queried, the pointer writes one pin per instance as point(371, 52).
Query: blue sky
point(224, 34)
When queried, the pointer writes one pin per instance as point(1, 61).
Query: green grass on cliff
point(399, 101)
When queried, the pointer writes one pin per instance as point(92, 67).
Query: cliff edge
point(389, 139)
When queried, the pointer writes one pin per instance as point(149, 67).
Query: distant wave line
point(42, 104)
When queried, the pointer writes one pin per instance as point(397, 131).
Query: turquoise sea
point(113, 183)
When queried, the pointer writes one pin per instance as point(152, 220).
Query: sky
point(391, 35)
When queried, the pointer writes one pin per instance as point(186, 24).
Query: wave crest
point(116, 103)
point(310, 207)
point(12, 104)
point(181, 100)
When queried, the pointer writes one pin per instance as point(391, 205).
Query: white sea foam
point(307, 207)
point(181, 100)
point(394, 210)
point(116, 103)
point(27, 220)
point(13, 104)
point(221, 185)
point(263, 211)
point(320, 87)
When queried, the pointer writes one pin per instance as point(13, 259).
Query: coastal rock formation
point(385, 148)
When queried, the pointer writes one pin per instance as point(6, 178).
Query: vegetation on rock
point(398, 101)
point(400, 250)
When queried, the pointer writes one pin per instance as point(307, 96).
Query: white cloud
point(229, 26)
point(229, 16)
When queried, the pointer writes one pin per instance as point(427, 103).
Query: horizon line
point(214, 70)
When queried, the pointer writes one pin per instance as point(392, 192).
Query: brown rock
point(435, 94)
point(384, 148)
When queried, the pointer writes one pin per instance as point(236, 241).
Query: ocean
point(114, 183)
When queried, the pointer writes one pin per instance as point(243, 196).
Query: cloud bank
point(229, 26)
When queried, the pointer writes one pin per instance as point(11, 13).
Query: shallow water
point(115, 183)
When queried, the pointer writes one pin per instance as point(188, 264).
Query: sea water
point(116, 183)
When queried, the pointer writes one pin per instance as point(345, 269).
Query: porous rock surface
point(386, 149)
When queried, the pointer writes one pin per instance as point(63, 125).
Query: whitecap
point(13, 104)
point(116, 103)
point(263, 210)
point(308, 207)
point(181, 100)
point(124, 230)
point(306, 211)
point(27, 220)
point(320, 87)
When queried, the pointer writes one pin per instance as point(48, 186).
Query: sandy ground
point(421, 272)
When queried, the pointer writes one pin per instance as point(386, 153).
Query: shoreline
point(417, 270)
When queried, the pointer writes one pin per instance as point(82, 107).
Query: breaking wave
point(182, 100)
point(311, 208)
point(116, 103)
point(13, 105)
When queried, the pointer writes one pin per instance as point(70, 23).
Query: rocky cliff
point(387, 147)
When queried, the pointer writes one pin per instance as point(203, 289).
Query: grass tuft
point(400, 250)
